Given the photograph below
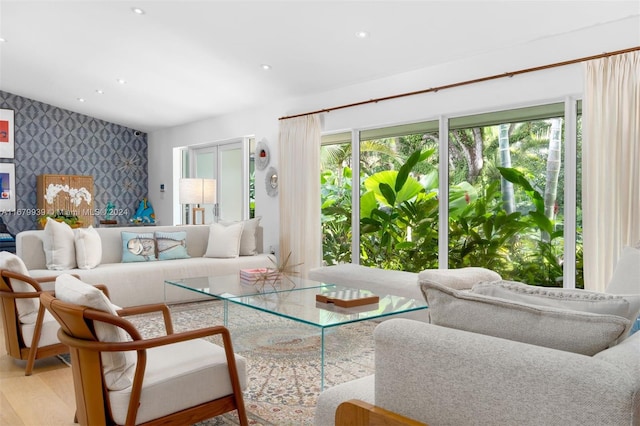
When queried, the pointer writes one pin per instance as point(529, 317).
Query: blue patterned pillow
point(172, 245)
point(138, 247)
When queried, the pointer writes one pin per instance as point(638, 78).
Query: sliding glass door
point(224, 163)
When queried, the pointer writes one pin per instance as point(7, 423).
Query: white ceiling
point(189, 60)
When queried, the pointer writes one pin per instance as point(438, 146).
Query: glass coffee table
point(294, 298)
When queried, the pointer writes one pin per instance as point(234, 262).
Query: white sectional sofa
point(139, 283)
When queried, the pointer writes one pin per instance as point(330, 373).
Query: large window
point(399, 197)
point(336, 177)
point(505, 207)
point(506, 181)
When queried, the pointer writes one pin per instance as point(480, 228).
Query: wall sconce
point(197, 191)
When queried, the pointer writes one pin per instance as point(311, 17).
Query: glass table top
point(295, 298)
point(229, 286)
point(302, 306)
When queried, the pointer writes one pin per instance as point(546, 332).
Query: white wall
point(527, 89)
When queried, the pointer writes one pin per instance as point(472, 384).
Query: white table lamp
point(197, 191)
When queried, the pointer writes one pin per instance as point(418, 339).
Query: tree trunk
point(508, 198)
point(554, 162)
point(468, 144)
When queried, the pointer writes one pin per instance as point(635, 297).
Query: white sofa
point(138, 283)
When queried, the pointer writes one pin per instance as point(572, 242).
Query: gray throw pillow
point(627, 306)
point(564, 329)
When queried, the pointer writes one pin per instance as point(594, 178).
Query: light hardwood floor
point(45, 398)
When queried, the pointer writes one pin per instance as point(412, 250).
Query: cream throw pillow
point(626, 275)
point(119, 367)
point(59, 247)
point(224, 241)
point(248, 240)
point(27, 307)
point(564, 329)
point(88, 248)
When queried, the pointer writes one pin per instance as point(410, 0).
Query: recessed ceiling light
point(80, 99)
point(3, 40)
point(265, 67)
point(137, 11)
point(100, 92)
point(121, 81)
point(362, 34)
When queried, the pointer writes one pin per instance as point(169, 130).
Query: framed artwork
point(7, 131)
point(7, 187)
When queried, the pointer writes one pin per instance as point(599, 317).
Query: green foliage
point(399, 211)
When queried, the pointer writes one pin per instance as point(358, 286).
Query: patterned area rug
point(283, 358)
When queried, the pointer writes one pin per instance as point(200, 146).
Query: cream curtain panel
point(299, 189)
point(610, 164)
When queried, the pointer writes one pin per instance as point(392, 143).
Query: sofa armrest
point(359, 413)
point(448, 376)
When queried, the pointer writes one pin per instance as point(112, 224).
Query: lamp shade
point(197, 191)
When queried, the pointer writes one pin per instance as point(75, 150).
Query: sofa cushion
point(88, 247)
point(171, 245)
point(27, 307)
point(564, 329)
point(460, 279)
point(59, 245)
point(48, 332)
point(579, 300)
point(224, 241)
point(138, 247)
point(248, 240)
point(178, 376)
point(118, 366)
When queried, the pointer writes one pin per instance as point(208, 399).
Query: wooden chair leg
point(35, 341)
point(31, 360)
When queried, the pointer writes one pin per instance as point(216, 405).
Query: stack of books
point(256, 275)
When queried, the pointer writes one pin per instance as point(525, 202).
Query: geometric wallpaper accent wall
point(52, 140)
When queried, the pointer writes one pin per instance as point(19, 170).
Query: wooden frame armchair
point(141, 402)
point(18, 345)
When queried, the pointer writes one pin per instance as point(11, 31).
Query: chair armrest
point(24, 278)
point(145, 309)
point(359, 413)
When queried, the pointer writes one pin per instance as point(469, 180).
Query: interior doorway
point(225, 163)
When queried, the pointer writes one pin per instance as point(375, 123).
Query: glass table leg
point(322, 359)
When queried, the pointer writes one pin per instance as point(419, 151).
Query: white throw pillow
point(59, 247)
point(88, 248)
point(564, 329)
point(460, 278)
point(119, 367)
point(248, 241)
point(627, 306)
point(626, 275)
point(224, 241)
point(27, 307)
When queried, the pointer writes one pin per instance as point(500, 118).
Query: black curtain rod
point(465, 83)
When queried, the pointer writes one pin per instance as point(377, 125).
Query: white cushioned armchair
point(444, 376)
